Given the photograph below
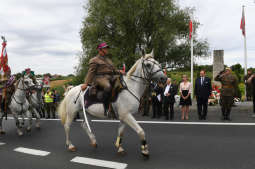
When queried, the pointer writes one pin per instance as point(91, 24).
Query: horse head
point(27, 83)
point(151, 68)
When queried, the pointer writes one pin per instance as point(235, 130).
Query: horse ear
point(152, 53)
point(143, 53)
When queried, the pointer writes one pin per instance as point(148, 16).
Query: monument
point(218, 63)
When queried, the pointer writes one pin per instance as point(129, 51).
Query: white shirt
point(167, 89)
point(202, 80)
point(185, 86)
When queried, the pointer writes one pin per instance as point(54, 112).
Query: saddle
point(95, 94)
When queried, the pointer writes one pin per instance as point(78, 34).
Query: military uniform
point(248, 86)
point(228, 91)
point(101, 72)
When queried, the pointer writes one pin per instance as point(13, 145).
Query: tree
point(131, 26)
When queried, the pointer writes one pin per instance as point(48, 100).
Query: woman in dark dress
point(185, 100)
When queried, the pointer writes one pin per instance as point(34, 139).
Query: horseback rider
point(101, 74)
point(10, 87)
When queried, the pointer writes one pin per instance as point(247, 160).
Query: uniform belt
point(227, 86)
point(106, 73)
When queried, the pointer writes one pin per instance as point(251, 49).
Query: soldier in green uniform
point(229, 83)
point(248, 86)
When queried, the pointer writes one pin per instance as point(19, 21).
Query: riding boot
point(106, 102)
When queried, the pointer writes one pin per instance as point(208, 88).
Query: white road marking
point(164, 122)
point(1, 143)
point(31, 151)
point(181, 123)
point(100, 163)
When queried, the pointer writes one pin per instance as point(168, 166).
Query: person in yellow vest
point(48, 99)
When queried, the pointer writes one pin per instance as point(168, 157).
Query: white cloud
point(42, 34)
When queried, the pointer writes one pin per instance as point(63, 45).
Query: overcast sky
point(44, 34)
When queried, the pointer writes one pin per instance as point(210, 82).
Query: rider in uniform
point(10, 88)
point(229, 83)
point(101, 74)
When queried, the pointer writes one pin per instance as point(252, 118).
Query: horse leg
point(130, 120)
point(1, 123)
point(90, 134)
point(67, 125)
point(37, 117)
point(15, 116)
point(29, 116)
point(118, 142)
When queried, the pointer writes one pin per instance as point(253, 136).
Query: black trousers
point(253, 102)
point(156, 108)
point(168, 105)
point(202, 106)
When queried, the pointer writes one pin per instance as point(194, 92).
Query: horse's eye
point(148, 65)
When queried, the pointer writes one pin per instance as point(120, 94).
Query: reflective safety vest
point(47, 98)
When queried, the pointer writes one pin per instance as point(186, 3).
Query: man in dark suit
point(157, 100)
point(203, 89)
point(170, 90)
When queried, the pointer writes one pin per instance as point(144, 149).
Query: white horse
point(36, 101)
point(19, 104)
point(127, 103)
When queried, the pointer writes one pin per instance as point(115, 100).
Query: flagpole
point(245, 52)
point(192, 61)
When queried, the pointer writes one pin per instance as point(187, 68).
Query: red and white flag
point(190, 29)
point(4, 58)
point(242, 25)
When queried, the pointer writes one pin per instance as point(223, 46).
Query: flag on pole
point(242, 25)
point(4, 57)
point(190, 29)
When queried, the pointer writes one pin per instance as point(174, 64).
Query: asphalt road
point(172, 146)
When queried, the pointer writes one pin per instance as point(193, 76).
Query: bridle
point(147, 75)
point(22, 89)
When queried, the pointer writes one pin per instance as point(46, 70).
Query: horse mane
point(17, 84)
point(133, 68)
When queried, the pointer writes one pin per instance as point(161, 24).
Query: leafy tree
point(131, 26)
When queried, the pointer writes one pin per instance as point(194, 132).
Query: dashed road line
point(31, 151)
point(1, 143)
point(99, 163)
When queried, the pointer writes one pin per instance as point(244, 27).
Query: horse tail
point(62, 111)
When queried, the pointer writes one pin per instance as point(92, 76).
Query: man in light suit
point(170, 90)
point(203, 89)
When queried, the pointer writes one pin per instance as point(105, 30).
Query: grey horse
point(36, 102)
point(19, 104)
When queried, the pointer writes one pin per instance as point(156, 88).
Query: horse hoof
point(37, 127)
point(146, 154)
point(72, 149)
point(94, 145)
point(2, 132)
point(20, 133)
point(121, 151)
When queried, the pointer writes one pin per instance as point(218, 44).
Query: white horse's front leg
point(29, 116)
point(118, 142)
point(37, 116)
point(1, 123)
point(90, 134)
point(130, 120)
point(15, 116)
